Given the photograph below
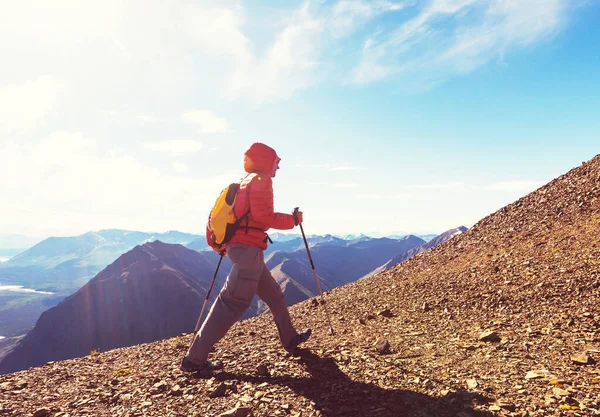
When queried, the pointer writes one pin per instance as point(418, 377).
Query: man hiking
point(249, 274)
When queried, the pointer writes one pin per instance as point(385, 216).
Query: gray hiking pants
point(249, 275)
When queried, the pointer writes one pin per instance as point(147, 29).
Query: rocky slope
point(502, 320)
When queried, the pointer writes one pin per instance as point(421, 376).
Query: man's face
point(276, 167)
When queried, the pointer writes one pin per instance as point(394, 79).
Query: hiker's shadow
point(335, 394)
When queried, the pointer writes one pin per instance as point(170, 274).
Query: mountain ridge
point(127, 303)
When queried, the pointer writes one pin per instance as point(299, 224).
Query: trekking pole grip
point(295, 213)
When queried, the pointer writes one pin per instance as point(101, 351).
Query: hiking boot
point(204, 369)
point(300, 338)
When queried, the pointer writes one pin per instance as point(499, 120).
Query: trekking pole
point(208, 295)
point(312, 264)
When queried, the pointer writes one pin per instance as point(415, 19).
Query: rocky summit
point(501, 320)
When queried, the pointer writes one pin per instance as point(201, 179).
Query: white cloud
point(375, 196)
point(512, 186)
point(119, 45)
point(175, 146)
point(59, 22)
point(517, 186)
point(145, 118)
point(180, 167)
point(343, 168)
point(450, 186)
point(456, 36)
point(504, 25)
point(311, 165)
point(348, 14)
point(205, 120)
point(332, 168)
point(288, 65)
point(68, 184)
point(346, 185)
point(25, 107)
point(218, 31)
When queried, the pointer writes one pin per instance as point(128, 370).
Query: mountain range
point(60, 266)
point(113, 309)
point(337, 263)
point(152, 292)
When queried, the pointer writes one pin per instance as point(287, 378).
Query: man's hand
point(297, 216)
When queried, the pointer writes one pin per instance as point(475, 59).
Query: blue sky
point(389, 116)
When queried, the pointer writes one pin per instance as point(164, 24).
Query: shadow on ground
point(335, 394)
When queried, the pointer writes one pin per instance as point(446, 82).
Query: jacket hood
point(260, 157)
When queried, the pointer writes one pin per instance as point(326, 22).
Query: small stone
point(536, 374)
point(382, 346)
point(176, 390)
point(385, 313)
point(581, 359)
point(495, 408)
point(236, 412)
point(219, 391)
point(161, 386)
point(559, 392)
point(471, 383)
point(114, 382)
point(506, 404)
point(489, 336)
point(42, 412)
point(263, 370)
point(425, 307)
point(147, 404)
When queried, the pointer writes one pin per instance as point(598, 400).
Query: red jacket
point(256, 195)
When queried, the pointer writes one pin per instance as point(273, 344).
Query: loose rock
point(581, 359)
point(489, 336)
point(382, 346)
point(236, 412)
point(262, 370)
point(219, 391)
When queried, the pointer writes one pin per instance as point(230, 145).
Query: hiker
point(249, 274)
